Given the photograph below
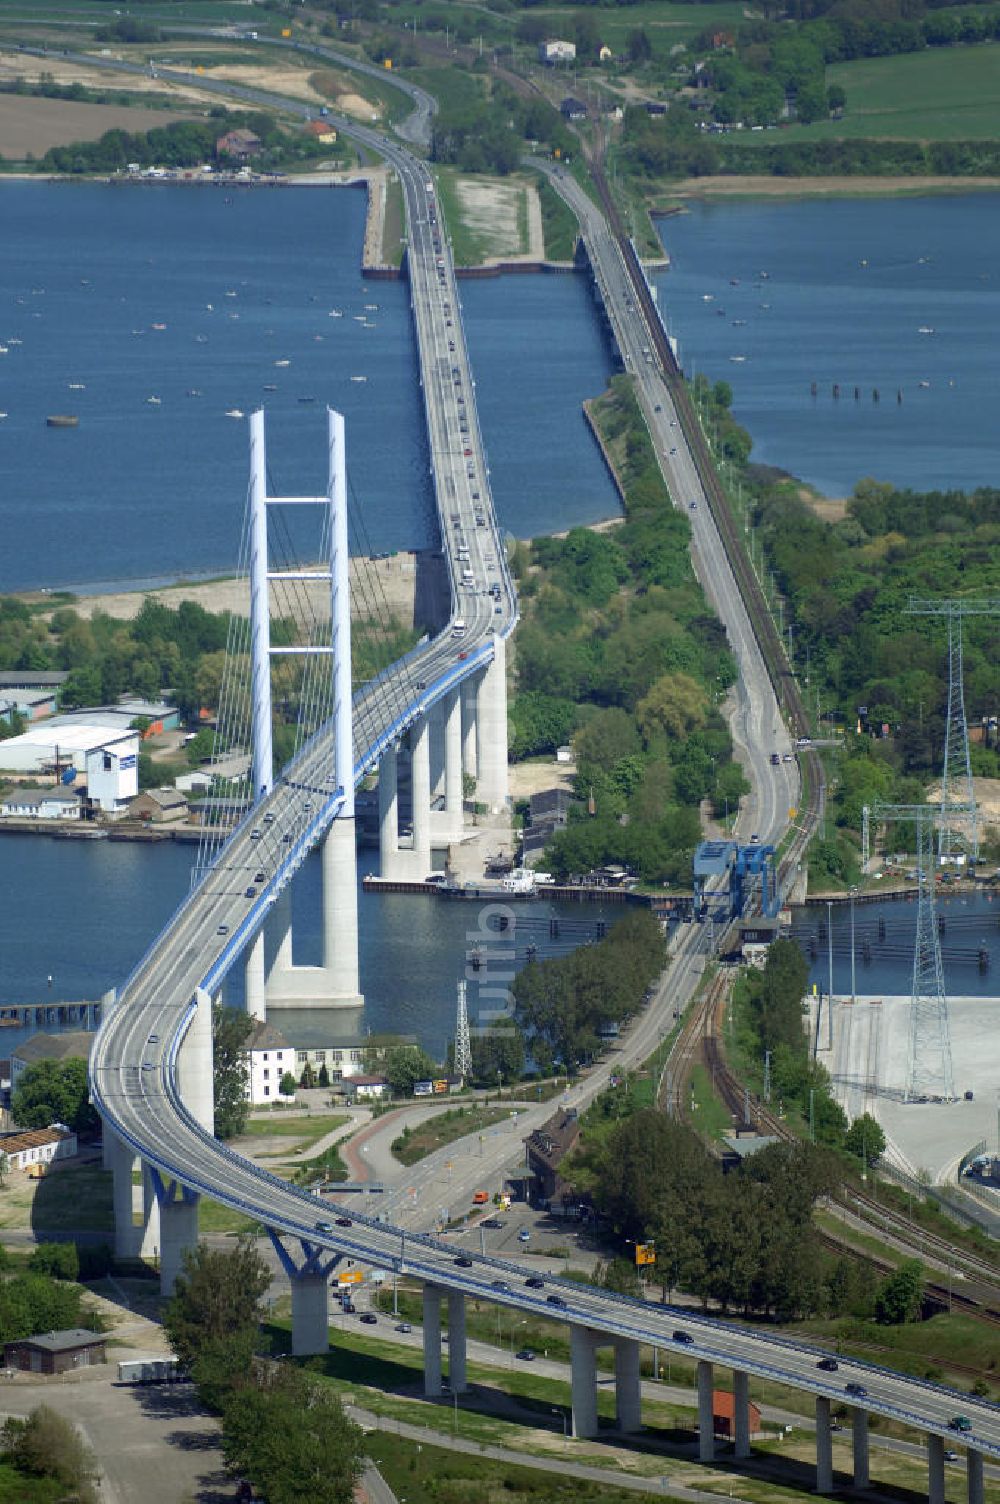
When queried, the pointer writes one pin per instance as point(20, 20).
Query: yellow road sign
point(349, 1277)
point(645, 1253)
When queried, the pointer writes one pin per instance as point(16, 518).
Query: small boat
point(3, 349)
point(158, 326)
point(737, 360)
point(335, 313)
point(269, 386)
point(359, 378)
point(62, 420)
point(708, 297)
point(925, 329)
point(153, 401)
point(307, 399)
point(234, 412)
point(923, 383)
point(14, 340)
point(202, 339)
point(210, 307)
point(2, 416)
point(734, 281)
point(359, 318)
point(231, 293)
point(193, 392)
point(282, 362)
point(763, 276)
point(371, 308)
point(76, 386)
point(738, 323)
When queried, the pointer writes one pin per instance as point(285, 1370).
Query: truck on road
point(151, 1371)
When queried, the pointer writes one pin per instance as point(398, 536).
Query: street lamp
point(513, 1329)
point(854, 993)
point(564, 1418)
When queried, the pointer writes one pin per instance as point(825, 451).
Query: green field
point(944, 94)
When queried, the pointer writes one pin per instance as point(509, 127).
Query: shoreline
point(765, 186)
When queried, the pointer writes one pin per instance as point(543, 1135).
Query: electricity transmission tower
point(957, 772)
point(928, 1060)
point(463, 1044)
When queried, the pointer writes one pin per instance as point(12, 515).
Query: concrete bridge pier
point(469, 698)
point(309, 1278)
point(119, 1158)
point(628, 1386)
point(706, 1420)
point(178, 1230)
point(935, 1470)
point(340, 913)
point(420, 794)
point(824, 1446)
point(255, 986)
point(974, 1476)
point(491, 731)
point(388, 812)
point(583, 1345)
point(859, 1437)
point(456, 1342)
point(741, 1413)
point(432, 1342)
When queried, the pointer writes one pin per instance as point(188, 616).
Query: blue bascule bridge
point(730, 878)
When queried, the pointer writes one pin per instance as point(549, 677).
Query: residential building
point(322, 131)
point(190, 782)
point(556, 51)
point(270, 1057)
point(240, 144)
point(56, 1352)
point(73, 1044)
point(40, 804)
point(37, 1147)
point(159, 807)
point(367, 1087)
point(546, 1149)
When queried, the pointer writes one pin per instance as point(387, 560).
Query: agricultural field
point(943, 94)
point(30, 125)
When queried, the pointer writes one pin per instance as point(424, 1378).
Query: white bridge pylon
point(335, 983)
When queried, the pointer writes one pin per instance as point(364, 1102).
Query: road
point(134, 1065)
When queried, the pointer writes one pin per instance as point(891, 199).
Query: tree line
point(619, 653)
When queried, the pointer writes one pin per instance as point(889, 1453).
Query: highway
point(134, 1063)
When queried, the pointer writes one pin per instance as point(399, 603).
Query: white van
point(458, 627)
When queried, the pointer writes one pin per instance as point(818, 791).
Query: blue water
point(832, 318)
point(146, 491)
point(968, 923)
point(84, 912)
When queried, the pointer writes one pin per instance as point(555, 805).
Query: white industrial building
point(40, 804)
point(108, 759)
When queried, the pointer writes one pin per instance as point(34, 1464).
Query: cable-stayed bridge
point(151, 1068)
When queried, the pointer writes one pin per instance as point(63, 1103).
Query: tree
point(404, 1065)
point(865, 1139)
point(54, 1091)
point(675, 705)
point(640, 48)
point(231, 1028)
point(899, 1298)
point(324, 1075)
point(308, 1078)
point(216, 1299)
point(45, 1445)
point(290, 1437)
point(287, 1086)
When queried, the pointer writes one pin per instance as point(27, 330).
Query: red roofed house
point(238, 143)
point(322, 131)
point(724, 1411)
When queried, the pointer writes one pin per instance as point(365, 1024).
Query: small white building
point(38, 1146)
point(556, 51)
point(270, 1057)
point(370, 1088)
point(112, 773)
point(40, 804)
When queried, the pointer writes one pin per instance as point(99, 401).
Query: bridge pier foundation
point(824, 1446)
point(706, 1420)
point(741, 1413)
point(432, 1342)
point(340, 913)
point(122, 1158)
point(150, 1237)
point(195, 1080)
point(859, 1437)
point(456, 1342)
point(628, 1386)
point(583, 1380)
point(935, 1470)
point(974, 1476)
